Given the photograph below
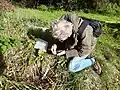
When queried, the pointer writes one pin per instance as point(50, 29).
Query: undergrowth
point(26, 67)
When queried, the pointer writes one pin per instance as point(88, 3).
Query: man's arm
point(87, 38)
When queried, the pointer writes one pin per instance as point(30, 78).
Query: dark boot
point(97, 68)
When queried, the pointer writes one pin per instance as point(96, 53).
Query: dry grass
point(5, 5)
point(28, 69)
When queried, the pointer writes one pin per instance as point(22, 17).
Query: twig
point(47, 69)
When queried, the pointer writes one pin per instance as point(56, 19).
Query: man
point(73, 35)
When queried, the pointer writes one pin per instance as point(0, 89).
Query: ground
point(29, 69)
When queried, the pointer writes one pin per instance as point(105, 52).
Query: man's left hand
point(61, 53)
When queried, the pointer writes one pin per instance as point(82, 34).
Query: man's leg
point(96, 65)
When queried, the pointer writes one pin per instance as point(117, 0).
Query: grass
point(21, 60)
point(52, 15)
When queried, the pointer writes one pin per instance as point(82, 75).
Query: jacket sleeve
point(87, 40)
point(74, 19)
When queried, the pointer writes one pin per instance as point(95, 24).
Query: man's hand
point(53, 49)
point(61, 53)
point(55, 52)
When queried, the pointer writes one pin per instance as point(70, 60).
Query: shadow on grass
point(43, 34)
point(2, 64)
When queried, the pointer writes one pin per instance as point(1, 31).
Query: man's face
point(63, 36)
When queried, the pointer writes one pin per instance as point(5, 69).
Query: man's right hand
point(54, 49)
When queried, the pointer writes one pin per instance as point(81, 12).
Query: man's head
point(62, 29)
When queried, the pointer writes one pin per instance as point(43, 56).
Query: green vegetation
point(19, 54)
point(6, 43)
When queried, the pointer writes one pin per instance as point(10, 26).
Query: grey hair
point(62, 29)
